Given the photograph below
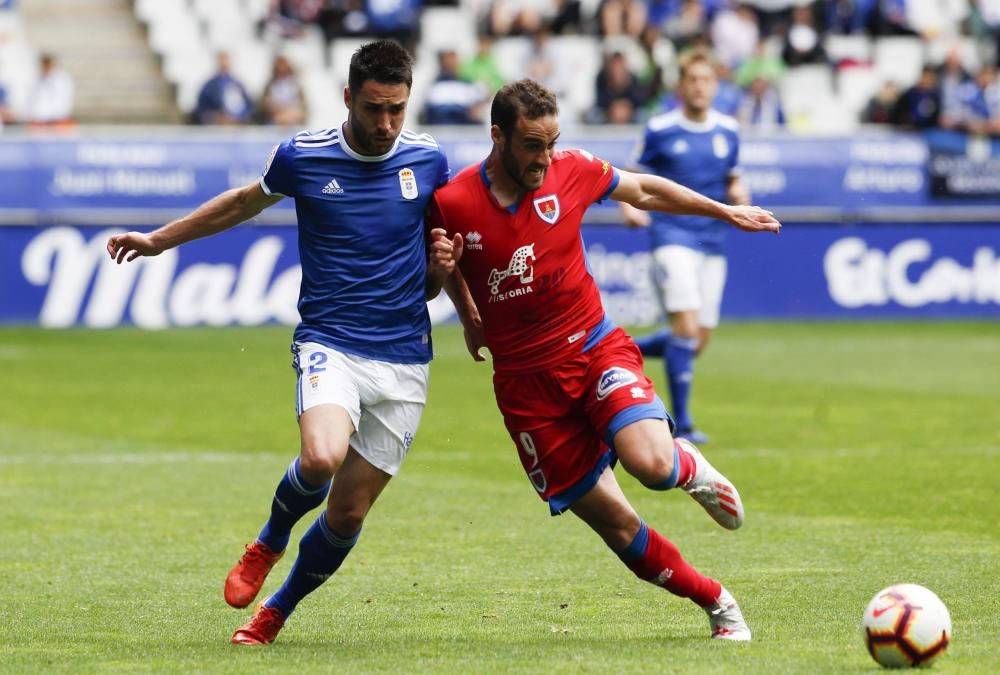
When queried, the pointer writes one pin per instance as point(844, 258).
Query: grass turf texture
point(133, 466)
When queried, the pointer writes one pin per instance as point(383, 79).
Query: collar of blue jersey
point(351, 152)
point(488, 183)
point(711, 120)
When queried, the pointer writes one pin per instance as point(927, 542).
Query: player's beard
point(369, 143)
point(516, 172)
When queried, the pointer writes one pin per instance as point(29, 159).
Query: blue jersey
point(699, 155)
point(361, 240)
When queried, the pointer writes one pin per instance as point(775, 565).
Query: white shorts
point(385, 400)
point(686, 280)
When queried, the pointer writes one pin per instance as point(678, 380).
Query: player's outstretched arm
point(442, 256)
point(654, 193)
point(468, 314)
point(219, 213)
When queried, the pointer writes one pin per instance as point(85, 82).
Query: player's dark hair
point(384, 61)
point(523, 98)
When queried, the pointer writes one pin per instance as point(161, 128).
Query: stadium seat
point(510, 54)
point(804, 90)
point(848, 48)
point(855, 87)
point(899, 59)
point(447, 28)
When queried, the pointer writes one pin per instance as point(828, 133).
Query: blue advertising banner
point(118, 180)
point(62, 276)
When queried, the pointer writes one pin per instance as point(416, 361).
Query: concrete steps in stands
point(102, 45)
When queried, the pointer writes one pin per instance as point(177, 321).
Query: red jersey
point(525, 265)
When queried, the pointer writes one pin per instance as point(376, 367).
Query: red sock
point(685, 463)
point(661, 564)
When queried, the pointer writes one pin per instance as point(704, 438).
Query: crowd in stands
point(757, 43)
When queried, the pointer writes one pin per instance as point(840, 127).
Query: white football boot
point(727, 619)
point(712, 490)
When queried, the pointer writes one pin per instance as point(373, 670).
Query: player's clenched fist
point(444, 253)
point(131, 245)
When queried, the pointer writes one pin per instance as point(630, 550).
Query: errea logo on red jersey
point(474, 241)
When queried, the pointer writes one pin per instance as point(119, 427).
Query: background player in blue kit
point(697, 147)
point(363, 345)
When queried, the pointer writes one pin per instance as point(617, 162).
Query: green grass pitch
point(135, 465)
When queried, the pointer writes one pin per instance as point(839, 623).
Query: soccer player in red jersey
point(569, 383)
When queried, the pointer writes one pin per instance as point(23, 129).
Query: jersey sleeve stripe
point(267, 190)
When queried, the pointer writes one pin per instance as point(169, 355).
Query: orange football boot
point(261, 629)
point(247, 576)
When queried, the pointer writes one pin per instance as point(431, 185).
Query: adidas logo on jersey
point(333, 188)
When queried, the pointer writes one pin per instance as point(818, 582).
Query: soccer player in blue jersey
point(697, 147)
point(363, 346)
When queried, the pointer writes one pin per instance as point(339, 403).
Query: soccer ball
point(905, 626)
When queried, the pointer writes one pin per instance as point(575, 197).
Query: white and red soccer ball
point(905, 626)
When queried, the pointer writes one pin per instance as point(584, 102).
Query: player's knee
point(652, 464)
point(318, 467)
point(658, 470)
point(346, 520)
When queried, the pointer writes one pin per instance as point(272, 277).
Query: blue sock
point(321, 551)
point(293, 499)
point(654, 344)
point(637, 548)
point(680, 373)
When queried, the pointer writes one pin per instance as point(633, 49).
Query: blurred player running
point(568, 382)
point(699, 148)
point(363, 346)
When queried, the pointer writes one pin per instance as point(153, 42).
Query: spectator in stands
point(920, 106)
point(289, 18)
point(735, 34)
point(542, 65)
point(482, 66)
point(952, 78)
point(761, 65)
point(989, 15)
point(891, 18)
point(761, 107)
point(619, 93)
point(283, 101)
point(850, 16)
point(51, 98)
point(802, 42)
point(690, 21)
point(622, 17)
point(881, 106)
point(6, 110)
point(728, 95)
point(519, 17)
point(981, 101)
point(450, 99)
point(567, 17)
point(395, 19)
point(223, 99)
point(651, 75)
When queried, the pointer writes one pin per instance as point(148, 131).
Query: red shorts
point(563, 419)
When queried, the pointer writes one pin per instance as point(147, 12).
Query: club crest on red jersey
point(547, 208)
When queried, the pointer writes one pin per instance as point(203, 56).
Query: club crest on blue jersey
point(547, 208)
point(614, 378)
point(408, 183)
point(720, 146)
